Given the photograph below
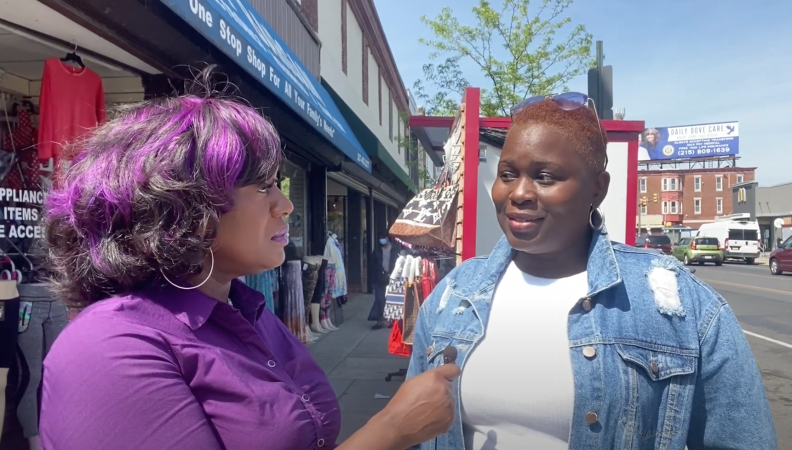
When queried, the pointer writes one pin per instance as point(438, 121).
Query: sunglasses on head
point(568, 101)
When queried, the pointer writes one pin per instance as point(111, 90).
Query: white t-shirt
point(517, 385)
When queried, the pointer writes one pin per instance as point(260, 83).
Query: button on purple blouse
point(177, 370)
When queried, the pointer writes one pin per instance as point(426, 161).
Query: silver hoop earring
point(601, 218)
point(211, 269)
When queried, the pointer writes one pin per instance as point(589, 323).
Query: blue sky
point(675, 63)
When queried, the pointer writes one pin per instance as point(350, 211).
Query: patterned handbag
point(429, 219)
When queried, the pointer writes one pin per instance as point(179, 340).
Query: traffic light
point(643, 201)
point(654, 198)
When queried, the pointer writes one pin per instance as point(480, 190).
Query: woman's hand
point(424, 406)
point(421, 410)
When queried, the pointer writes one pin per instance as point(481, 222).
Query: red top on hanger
point(72, 103)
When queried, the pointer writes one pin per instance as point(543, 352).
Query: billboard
point(690, 141)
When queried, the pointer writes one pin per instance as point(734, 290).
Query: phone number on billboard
point(704, 151)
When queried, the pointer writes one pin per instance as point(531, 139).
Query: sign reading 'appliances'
point(692, 141)
point(240, 32)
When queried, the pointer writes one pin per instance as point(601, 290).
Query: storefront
point(53, 71)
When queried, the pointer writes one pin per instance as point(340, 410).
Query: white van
point(739, 239)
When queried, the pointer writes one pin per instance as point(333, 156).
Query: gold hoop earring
point(601, 218)
point(211, 269)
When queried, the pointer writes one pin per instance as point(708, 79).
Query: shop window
point(292, 184)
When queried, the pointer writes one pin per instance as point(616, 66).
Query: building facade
point(687, 198)
point(359, 72)
point(770, 206)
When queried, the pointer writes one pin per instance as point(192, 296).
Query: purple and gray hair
point(145, 192)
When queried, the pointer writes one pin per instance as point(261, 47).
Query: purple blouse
point(178, 370)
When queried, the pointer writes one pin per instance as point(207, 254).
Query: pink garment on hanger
point(72, 103)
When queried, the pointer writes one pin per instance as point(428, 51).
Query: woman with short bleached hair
point(160, 212)
point(568, 340)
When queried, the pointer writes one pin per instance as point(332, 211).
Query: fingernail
point(449, 355)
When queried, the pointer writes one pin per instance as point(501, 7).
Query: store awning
point(240, 32)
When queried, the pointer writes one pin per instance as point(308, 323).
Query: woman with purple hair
point(160, 212)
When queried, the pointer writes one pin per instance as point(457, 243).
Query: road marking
point(737, 272)
point(783, 344)
point(775, 291)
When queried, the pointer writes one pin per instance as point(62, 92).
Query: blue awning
point(240, 32)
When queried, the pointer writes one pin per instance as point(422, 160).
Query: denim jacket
point(672, 366)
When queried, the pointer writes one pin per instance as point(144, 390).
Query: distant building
point(687, 197)
point(768, 205)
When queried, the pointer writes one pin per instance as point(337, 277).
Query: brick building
point(687, 197)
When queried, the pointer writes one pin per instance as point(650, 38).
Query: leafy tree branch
point(522, 50)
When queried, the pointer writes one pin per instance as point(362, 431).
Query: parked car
point(739, 239)
point(781, 258)
point(659, 242)
point(699, 250)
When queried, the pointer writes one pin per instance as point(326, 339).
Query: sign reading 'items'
point(242, 34)
point(21, 211)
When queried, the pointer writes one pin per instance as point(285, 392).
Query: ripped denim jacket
point(673, 367)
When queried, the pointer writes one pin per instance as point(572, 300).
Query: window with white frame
point(672, 207)
point(719, 183)
point(719, 205)
point(670, 184)
point(643, 184)
point(644, 210)
point(697, 183)
point(696, 205)
point(739, 178)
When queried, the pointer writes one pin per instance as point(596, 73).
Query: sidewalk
point(356, 360)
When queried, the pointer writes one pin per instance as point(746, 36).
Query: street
point(763, 305)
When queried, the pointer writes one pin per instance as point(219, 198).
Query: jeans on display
point(293, 303)
point(41, 320)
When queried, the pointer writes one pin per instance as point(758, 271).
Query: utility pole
point(600, 86)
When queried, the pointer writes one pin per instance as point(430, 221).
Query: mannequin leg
point(316, 327)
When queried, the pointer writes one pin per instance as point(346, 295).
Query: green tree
point(523, 50)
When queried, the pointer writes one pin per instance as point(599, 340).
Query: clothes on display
point(267, 283)
point(72, 102)
point(412, 280)
point(293, 303)
point(327, 297)
point(335, 256)
point(21, 142)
